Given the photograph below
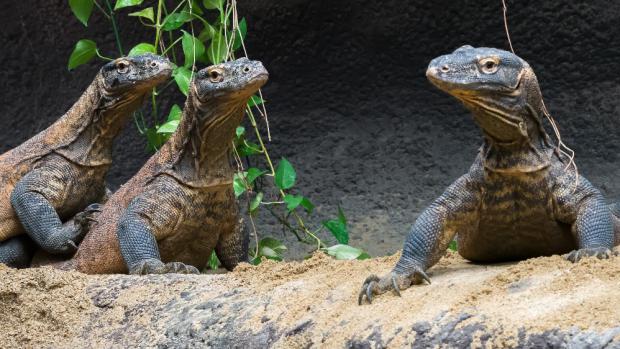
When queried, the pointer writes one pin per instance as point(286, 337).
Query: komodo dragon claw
point(373, 285)
point(598, 252)
point(83, 218)
point(155, 266)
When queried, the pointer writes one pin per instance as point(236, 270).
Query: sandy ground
point(307, 304)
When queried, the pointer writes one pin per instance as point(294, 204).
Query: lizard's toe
point(598, 252)
point(370, 284)
point(148, 266)
point(180, 268)
point(373, 285)
point(83, 219)
point(94, 207)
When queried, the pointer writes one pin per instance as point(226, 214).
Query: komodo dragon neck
point(85, 133)
point(530, 154)
point(200, 150)
point(533, 151)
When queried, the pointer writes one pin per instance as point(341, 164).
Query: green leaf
point(254, 101)
point(192, 49)
point(309, 206)
point(214, 262)
point(270, 248)
point(453, 246)
point(217, 51)
point(207, 33)
point(292, 201)
point(168, 127)
point(142, 48)
point(126, 3)
point(285, 175)
point(254, 173)
point(175, 21)
point(213, 4)
point(248, 149)
point(182, 76)
point(273, 244)
point(338, 229)
point(83, 52)
point(270, 253)
point(341, 217)
point(195, 7)
point(144, 13)
point(154, 140)
point(345, 252)
point(175, 113)
point(256, 202)
point(239, 184)
point(255, 261)
point(363, 256)
point(240, 131)
point(240, 34)
point(82, 9)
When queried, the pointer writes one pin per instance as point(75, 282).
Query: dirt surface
point(314, 304)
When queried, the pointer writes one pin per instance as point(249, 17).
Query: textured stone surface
point(540, 303)
point(349, 104)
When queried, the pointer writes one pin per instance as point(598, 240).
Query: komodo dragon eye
point(489, 65)
point(216, 75)
point(122, 67)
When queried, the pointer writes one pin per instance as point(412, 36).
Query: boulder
point(541, 302)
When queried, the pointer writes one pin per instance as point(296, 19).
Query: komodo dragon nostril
point(445, 68)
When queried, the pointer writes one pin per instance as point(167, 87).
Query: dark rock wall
point(348, 101)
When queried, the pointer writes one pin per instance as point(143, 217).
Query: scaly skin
point(518, 200)
point(180, 206)
point(57, 173)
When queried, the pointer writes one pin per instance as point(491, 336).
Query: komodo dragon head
point(498, 87)
point(134, 75)
point(229, 83)
point(214, 108)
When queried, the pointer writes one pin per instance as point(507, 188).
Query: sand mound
point(313, 304)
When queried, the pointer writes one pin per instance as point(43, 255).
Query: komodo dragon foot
point(598, 252)
point(84, 218)
point(373, 285)
point(155, 266)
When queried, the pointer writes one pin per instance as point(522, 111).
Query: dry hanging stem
point(562, 148)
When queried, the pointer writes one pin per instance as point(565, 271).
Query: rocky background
point(348, 101)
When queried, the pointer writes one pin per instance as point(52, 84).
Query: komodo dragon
point(57, 173)
point(180, 206)
point(519, 198)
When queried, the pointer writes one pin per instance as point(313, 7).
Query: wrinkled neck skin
point(92, 124)
point(518, 143)
point(201, 148)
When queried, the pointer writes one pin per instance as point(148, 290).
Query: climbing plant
point(189, 32)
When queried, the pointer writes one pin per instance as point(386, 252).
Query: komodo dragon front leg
point(584, 208)
point(232, 246)
point(39, 197)
point(429, 238)
point(150, 217)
